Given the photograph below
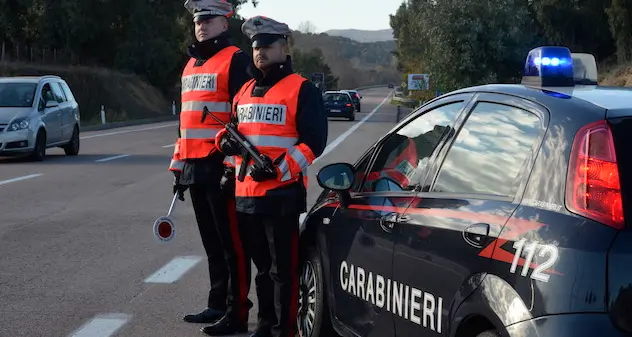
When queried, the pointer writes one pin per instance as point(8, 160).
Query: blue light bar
point(550, 66)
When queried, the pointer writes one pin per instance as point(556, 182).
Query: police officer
point(282, 114)
point(211, 78)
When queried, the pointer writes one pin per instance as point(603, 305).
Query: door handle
point(476, 235)
point(387, 222)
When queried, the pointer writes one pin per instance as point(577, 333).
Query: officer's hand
point(178, 188)
point(229, 146)
point(260, 174)
point(227, 183)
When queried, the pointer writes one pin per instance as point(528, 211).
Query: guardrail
point(371, 87)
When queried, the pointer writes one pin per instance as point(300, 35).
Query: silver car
point(37, 113)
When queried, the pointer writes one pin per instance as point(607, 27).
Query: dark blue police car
point(496, 210)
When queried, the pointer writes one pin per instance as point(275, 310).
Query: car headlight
point(19, 124)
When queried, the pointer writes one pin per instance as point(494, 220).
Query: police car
point(496, 210)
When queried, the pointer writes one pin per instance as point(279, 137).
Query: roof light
point(584, 69)
point(549, 66)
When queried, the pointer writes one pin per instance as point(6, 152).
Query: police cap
point(205, 9)
point(264, 31)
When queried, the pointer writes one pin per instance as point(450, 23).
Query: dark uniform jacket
point(207, 170)
point(311, 122)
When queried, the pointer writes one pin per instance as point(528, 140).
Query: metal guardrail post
point(399, 111)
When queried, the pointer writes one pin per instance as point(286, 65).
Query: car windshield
point(17, 95)
point(336, 97)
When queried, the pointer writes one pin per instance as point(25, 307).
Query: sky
point(327, 14)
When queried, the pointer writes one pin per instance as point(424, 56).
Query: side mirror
point(336, 177)
point(51, 104)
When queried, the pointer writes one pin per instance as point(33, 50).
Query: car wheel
point(313, 315)
point(352, 118)
point(72, 148)
point(489, 333)
point(39, 150)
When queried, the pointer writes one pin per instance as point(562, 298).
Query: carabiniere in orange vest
point(202, 86)
point(269, 123)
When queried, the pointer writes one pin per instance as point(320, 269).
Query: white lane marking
point(128, 131)
point(102, 326)
point(343, 136)
point(30, 176)
point(168, 146)
point(102, 160)
point(173, 270)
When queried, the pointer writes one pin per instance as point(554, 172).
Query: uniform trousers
point(273, 245)
point(228, 264)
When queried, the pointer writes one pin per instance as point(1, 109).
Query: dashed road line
point(102, 326)
point(173, 270)
point(168, 146)
point(128, 131)
point(12, 180)
point(102, 160)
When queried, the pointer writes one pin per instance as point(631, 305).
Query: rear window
point(336, 97)
point(17, 95)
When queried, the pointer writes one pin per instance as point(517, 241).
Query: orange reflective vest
point(203, 86)
point(269, 123)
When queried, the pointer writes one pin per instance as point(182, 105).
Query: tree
point(307, 27)
point(307, 63)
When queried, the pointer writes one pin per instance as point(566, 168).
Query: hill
point(124, 96)
point(363, 35)
point(354, 63)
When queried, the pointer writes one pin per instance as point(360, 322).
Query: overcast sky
point(327, 14)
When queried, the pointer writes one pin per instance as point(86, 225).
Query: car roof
point(609, 98)
point(27, 79)
point(336, 92)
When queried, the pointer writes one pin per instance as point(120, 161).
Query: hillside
point(124, 96)
point(363, 35)
point(355, 63)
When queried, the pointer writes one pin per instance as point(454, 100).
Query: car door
point(50, 116)
point(362, 232)
point(447, 235)
point(65, 110)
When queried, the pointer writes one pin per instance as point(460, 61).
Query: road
point(77, 250)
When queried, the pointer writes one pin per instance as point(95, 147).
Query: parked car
point(37, 113)
point(355, 96)
point(496, 210)
point(339, 104)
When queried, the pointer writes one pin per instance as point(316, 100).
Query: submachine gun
point(250, 151)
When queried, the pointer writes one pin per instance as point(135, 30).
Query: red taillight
point(348, 104)
point(592, 187)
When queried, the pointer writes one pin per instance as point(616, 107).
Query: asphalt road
point(77, 253)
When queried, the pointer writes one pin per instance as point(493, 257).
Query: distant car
point(391, 85)
point(339, 104)
point(355, 96)
point(37, 113)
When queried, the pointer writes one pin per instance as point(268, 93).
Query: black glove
point(227, 183)
point(177, 187)
point(260, 174)
point(229, 146)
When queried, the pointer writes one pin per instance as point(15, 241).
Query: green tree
point(307, 63)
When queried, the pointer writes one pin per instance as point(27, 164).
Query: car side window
point(47, 95)
point(402, 160)
point(58, 93)
point(489, 151)
point(68, 92)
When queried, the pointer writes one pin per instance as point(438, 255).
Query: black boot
point(224, 327)
point(209, 315)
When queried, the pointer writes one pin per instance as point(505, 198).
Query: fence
point(30, 54)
